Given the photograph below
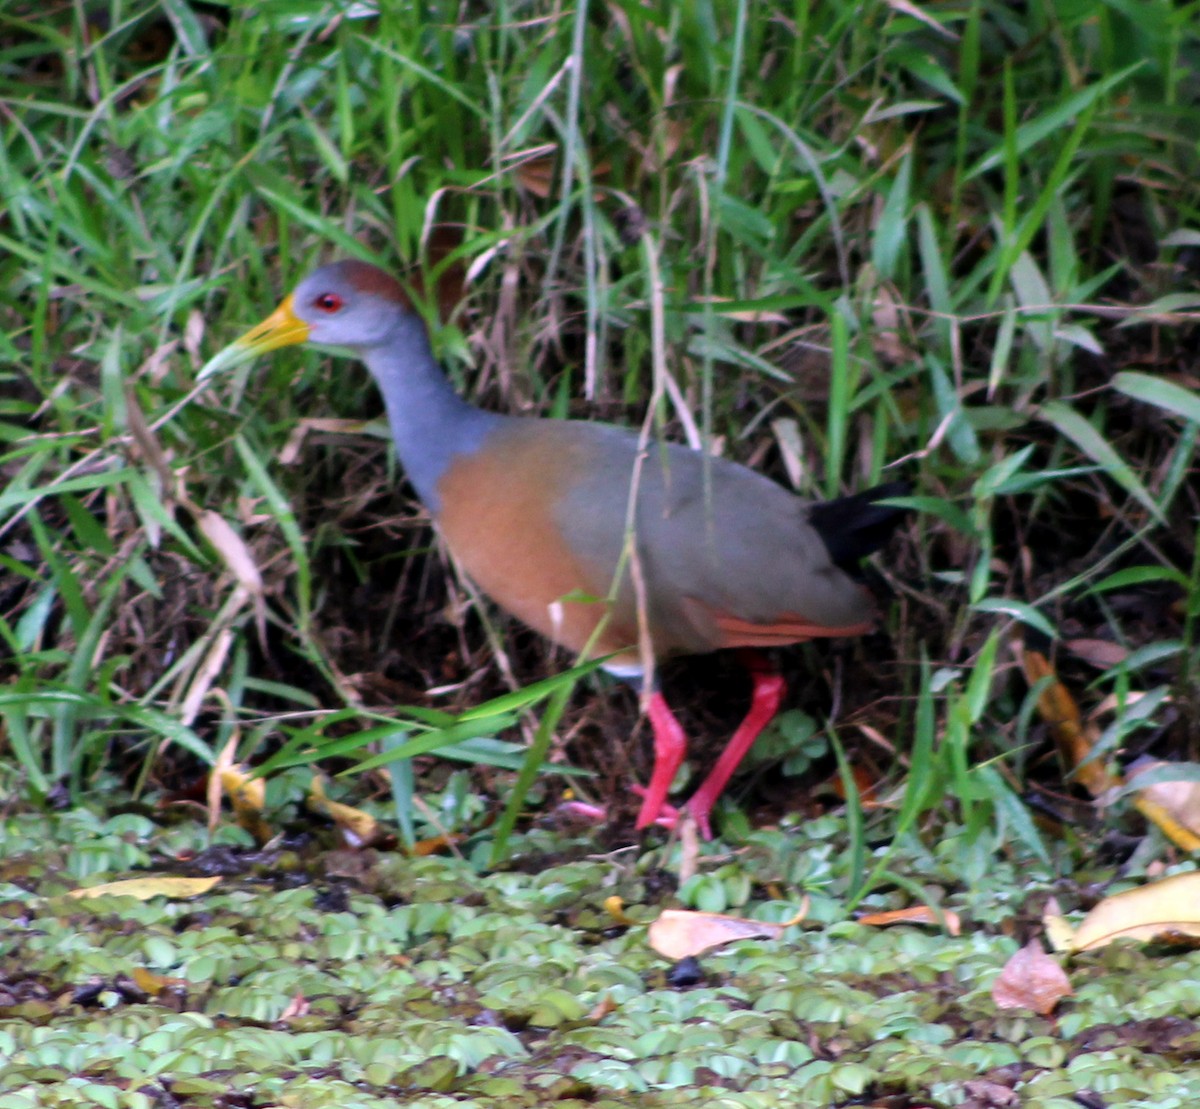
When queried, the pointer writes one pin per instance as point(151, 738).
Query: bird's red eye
point(328, 302)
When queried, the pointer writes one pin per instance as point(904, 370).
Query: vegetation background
point(958, 239)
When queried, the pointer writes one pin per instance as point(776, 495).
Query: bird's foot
point(654, 811)
point(668, 816)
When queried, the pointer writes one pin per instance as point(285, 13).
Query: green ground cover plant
point(955, 241)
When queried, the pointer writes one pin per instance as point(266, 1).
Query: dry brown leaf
point(1170, 908)
point(537, 175)
point(434, 845)
point(152, 452)
point(983, 1094)
point(678, 933)
point(887, 320)
point(602, 1008)
point(179, 889)
point(1075, 741)
point(1031, 979)
point(327, 424)
point(917, 914)
point(359, 829)
point(869, 787)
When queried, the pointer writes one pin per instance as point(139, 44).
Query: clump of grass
point(832, 241)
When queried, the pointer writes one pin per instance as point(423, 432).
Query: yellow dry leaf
point(358, 828)
point(152, 886)
point(1173, 806)
point(615, 908)
point(1059, 932)
point(248, 795)
point(1179, 834)
point(154, 984)
point(1170, 908)
point(678, 933)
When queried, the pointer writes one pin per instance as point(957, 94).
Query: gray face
point(349, 304)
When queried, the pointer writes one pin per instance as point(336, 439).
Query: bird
point(614, 549)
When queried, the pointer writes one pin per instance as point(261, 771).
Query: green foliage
point(848, 235)
point(423, 977)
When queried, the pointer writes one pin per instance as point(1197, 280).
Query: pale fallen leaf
point(1116, 702)
point(247, 794)
point(298, 1007)
point(1101, 653)
point(1167, 909)
point(989, 1095)
point(1031, 979)
point(152, 886)
point(358, 828)
point(916, 914)
point(924, 17)
point(1058, 929)
point(791, 448)
point(233, 550)
point(327, 424)
point(689, 847)
point(226, 757)
point(193, 335)
point(1173, 806)
point(678, 933)
point(741, 315)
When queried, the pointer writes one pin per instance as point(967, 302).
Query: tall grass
point(960, 239)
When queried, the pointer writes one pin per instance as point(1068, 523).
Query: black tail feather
point(855, 526)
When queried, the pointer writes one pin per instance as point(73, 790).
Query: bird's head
point(349, 304)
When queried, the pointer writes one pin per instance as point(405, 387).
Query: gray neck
point(430, 422)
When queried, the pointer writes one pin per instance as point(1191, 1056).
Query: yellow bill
point(282, 328)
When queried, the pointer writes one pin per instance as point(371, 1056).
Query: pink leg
point(670, 745)
point(764, 704)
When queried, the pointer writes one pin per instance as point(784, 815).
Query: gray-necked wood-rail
point(537, 512)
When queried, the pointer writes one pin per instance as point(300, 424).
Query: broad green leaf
point(1071, 424)
point(1161, 393)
